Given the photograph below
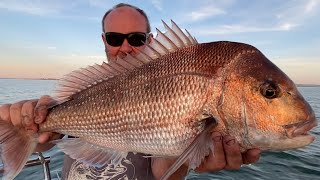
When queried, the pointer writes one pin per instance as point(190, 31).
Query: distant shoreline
point(32, 78)
point(298, 85)
point(308, 85)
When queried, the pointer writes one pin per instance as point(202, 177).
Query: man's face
point(124, 20)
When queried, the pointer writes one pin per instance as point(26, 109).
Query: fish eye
point(270, 90)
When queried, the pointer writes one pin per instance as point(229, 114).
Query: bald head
point(124, 13)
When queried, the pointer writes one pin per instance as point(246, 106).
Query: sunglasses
point(134, 39)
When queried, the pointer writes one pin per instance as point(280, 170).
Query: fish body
point(159, 102)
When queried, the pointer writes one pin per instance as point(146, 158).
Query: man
point(130, 21)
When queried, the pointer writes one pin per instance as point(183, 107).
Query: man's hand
point(226, 155)
point(28, 114)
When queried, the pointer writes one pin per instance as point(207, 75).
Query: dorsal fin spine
point(146, 56)
point(81, 79)
point(68, 86)
point(193, 40)
point(85, 70)
point(122, 69)
point(165, 50)
point(136, 59)
point(176, 27)
point(95, 71)
point(69, 81)
point(154, 51)
point(166, 38)
point(112, 68)
point(179, 41)
point(130, 62)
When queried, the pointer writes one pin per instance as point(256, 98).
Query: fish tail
point(16, 146)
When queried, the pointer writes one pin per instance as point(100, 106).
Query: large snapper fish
point(166, 102)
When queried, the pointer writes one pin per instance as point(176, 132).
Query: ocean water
point(299, 164)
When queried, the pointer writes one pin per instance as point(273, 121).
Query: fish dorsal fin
point(173, 39)
point(82, 79)
point(90, 154)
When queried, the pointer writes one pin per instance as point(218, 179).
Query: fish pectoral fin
point(90, 154)
point(195, 153)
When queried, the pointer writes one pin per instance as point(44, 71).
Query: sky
point(49, 38)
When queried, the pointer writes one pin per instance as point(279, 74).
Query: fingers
point(44, 137)
point(5, 112)
point(20, 114)
point(48, 136)
point(232, 152)
point(27, 112)
point(40, 112)
point(15, 113)
point(41, 109)
point(251, 156)
point(215, 161)
point(27, 115)
point(227, 155)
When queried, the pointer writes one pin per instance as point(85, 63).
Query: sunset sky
point(49, 38)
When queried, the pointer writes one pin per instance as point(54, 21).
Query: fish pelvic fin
point(16, 146)
point(90, 154)
point(196, 151)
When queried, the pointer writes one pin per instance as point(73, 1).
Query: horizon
point(50, 39)
point(56, 79)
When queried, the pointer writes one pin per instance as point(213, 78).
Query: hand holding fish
point(28, 114)
point(227, 155)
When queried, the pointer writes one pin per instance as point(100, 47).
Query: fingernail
point(229, 140)
point(216, 137)
point(37, 119)
point(27, 121)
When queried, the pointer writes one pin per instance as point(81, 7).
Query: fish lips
point(301, 128)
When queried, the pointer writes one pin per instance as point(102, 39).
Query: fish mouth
point(301, 128)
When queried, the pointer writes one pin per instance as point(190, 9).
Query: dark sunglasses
point(134, 39)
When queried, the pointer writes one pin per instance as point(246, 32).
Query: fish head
point(262, 107)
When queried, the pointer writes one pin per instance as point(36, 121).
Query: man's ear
point(103, 39)
point(150, 38)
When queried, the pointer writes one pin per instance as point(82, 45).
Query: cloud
point(157, 4)
point(205, 13)
point(56, 8)
point(297, 11)
point(311, 5)
point(285, 26)
point(32, 6)
point(241, 28)
point(52, 48)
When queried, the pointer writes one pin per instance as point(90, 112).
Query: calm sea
point(301, 164)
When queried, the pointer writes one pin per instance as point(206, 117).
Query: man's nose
point(126, 47)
